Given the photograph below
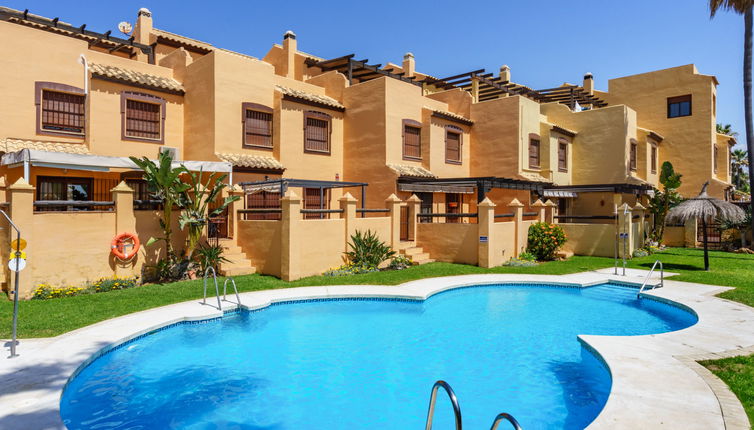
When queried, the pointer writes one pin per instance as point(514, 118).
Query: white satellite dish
point(125, 27)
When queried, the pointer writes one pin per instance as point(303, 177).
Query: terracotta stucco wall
point(504, 249)
point(260, 242)
point(590, 239)
point(496, 137)
point(452, 243)
point(318, 254)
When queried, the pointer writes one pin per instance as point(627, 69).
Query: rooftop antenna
point(125, 27)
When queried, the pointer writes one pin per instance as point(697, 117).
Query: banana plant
point(197, 199)
point(164, 184)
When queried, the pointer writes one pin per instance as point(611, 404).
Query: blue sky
point(545, 42)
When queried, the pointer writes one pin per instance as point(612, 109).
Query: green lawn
point(56, 316)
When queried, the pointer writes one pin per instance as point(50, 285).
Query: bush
point(526, 256)
point(210, 256)
point(115, 283)
point(518, 262)
point(351, 269)
point(368, 250)
point(47, 291)
point(641, 252)
point(544, 240)
point(400, 262)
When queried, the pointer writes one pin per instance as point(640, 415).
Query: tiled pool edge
point(413, 291)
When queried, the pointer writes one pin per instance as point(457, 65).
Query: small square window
point(679, 106)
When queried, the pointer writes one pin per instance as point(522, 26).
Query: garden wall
point(450, 242)
point(590, 239)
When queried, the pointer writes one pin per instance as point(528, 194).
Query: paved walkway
point(656, 381)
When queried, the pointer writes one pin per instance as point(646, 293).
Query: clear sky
point(545, 42)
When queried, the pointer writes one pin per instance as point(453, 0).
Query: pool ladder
point(649, 275)
point(457, 409)
point(217, 289)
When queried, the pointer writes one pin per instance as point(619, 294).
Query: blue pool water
point(363, 364)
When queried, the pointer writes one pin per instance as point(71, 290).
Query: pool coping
point(656, 380)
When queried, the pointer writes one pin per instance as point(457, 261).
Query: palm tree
point(739, 167)
point(743, 7)
point(726, 129)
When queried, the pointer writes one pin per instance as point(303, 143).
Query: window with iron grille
point(61, 109)
point(632, 155)
point(317, 132)
point(715, 157)
point(453, 141)
point(143, 117)
point(562, 155)
point(257, 125)
point(314, 198)
point(263, 200)
point(653, 160)
point(412, 139)
point(679, 106)
point(73, 189)
point(534, 151)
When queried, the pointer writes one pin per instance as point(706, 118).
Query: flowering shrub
point(544, 240)
point(641, 252)
point(400, 262)
point(47, 291)
point(351, 269)
point(114, 283)
point(527, 256)
point(519, 262)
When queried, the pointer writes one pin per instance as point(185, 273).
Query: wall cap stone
point(414, 199)
point(487, 203)
point(347, 197)
point(21, 185)
point(515, 204)
point(122, 187)
point(392, 198)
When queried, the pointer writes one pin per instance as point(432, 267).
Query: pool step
point(239, 264)
point(417, 255)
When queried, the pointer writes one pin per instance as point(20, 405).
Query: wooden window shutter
point(453, 142)
point(257, 125)
point(317, 131)
point(412, 139)
point(534, 150)
point(562, 155)
point(632, 154)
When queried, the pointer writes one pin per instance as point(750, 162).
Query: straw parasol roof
point(706, 208)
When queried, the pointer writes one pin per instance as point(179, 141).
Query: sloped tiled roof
point(536, 177)
point(183, 39)
point(408, 170)
point(315, 98)
point(249, 160)
point(450, 116)
point(13, 145)
point(131, 76)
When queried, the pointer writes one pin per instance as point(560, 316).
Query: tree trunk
point(704, 239)
point(747, 101)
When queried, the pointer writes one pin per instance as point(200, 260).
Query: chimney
point(589, 83)
point(143, 28)
point(290, 47)
point(409, 65)
point(505, 73)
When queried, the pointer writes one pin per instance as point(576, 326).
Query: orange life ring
point(119, 243)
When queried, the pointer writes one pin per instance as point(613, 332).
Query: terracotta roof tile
point(329, 101)
point(13, 145)
point(249, 160)
point(536, 177)
point(183, 39)
point(450, 115)
point(408, 170)
point(131, 76)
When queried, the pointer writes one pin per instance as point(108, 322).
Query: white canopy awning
point(560, 193)
point(64, 160)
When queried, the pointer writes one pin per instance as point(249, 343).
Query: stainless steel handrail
point(507, 417)
point(453, 401)
point(225, 290)
point(662, 278)
point(217, 287)
point(16, 270)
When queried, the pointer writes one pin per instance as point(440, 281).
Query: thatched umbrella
point(707, 209)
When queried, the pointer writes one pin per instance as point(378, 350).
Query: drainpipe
point(83, 61)
point(27, 175)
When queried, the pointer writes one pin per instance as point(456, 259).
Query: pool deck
point(656, 380)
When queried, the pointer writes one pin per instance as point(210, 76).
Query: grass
point(45, 318)
point(738, 373)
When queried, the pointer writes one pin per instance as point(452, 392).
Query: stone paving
point(656, 380)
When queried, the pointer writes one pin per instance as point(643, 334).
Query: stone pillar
point(475, 89)
point(414, 205)
point(348, 205)
point(518, 219)
point(624, 227)
point(642, 212)
point(540, 208)
point(233, 208)
point(290, 248)
point(22, 214)
point(394, 204)
point(690, 233)
point(125, 222)
point(486, 223)
point(550, 211)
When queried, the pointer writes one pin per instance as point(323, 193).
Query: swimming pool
point(349, 364)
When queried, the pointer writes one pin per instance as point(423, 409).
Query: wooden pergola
point(488, 87)
point(358, 70)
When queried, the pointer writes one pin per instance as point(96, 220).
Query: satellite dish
point(125, 27)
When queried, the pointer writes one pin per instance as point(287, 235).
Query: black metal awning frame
point(483, 185)
point(596, 188)
point(358, 70)
point(285, 183)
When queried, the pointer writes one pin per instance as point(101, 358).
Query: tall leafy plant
point(164, 184)
point(197, 199)
point(664, 199)
point(368, 250)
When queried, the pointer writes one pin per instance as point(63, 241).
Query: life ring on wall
point(121, 242)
